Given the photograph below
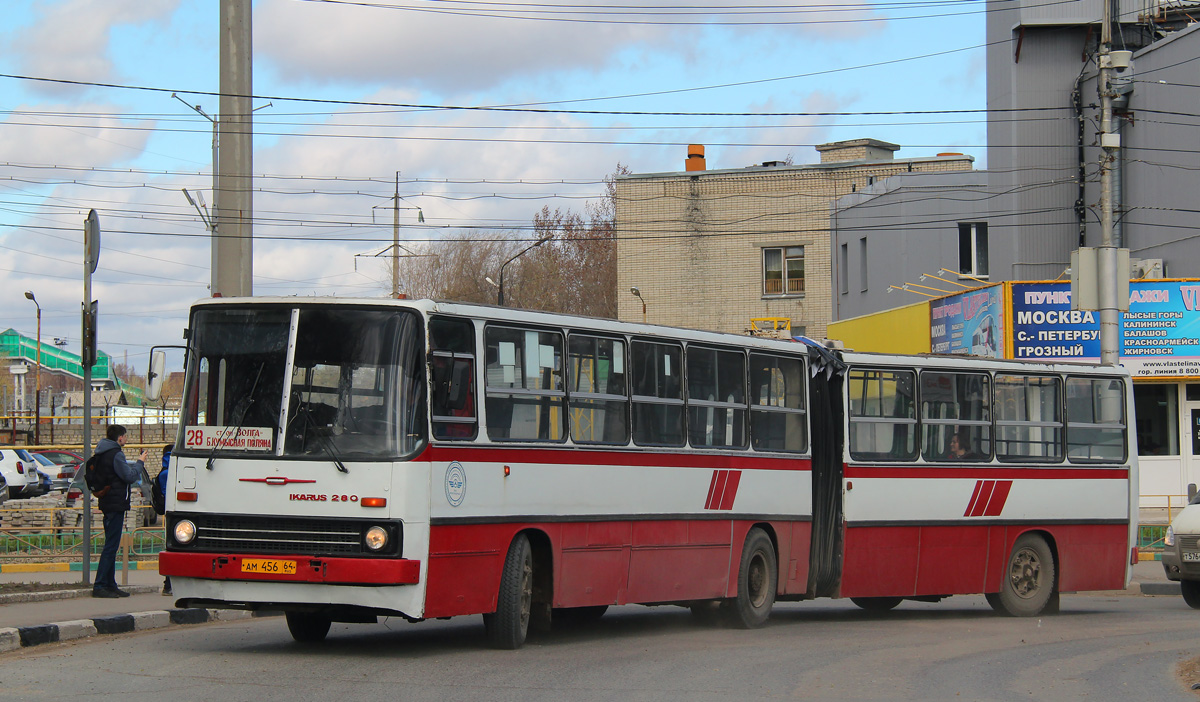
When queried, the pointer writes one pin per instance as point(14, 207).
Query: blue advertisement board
point(969, 323)
point(1159, 335)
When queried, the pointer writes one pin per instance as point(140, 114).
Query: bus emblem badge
point(456, 484)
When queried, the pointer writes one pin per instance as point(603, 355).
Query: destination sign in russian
point(244, 439)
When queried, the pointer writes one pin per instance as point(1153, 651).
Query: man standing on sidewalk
point(118, 476)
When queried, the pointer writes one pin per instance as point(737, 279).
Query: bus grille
point(221, 533)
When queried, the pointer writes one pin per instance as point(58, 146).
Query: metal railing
point(62, 539)
point(1162, 509)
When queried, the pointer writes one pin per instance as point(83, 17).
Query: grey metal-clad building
point(1038, 199)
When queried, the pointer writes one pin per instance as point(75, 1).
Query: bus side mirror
point(155, 377)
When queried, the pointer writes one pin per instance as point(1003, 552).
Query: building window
point(843, 269)
point(783, 270)
point(973, 249)
point(862, 263)
point(1156, 409)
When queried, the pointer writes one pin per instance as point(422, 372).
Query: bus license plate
point(1191, 556)
point(266, 565)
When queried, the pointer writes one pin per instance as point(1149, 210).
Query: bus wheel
point(757, 579)
point(508, 625)
point(1028, 581)
point(876, 604)
point(1191, 593)
point(307, 627)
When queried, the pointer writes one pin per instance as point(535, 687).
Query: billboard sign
point(968, 323)
point(1159, 335)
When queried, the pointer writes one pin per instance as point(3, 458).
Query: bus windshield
point(352, 379)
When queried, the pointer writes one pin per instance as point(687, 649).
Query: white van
point(1181, 555)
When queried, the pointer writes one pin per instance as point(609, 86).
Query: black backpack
point(98, 471)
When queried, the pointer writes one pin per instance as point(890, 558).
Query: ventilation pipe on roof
point(695, 158)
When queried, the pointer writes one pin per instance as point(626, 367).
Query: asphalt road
point(1099, 648)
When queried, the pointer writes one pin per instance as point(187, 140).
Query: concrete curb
point(12, 638)
point(17, 597)
point(1167, 588)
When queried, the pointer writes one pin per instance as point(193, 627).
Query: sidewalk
point(29, 619)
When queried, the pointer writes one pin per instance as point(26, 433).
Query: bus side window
point(1095, 419)
point(452, 370)
point(777, 404)
point(883, 420)
point(525, 391)
point(1029, 424)
point(658, 418)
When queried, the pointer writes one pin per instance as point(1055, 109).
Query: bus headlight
point(376, 538)
point(1169, 537)
point(185, 531)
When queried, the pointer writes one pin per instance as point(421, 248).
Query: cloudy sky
point(352, 92)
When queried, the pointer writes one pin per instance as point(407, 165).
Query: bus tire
point(307, 627)
point(1028, 580)
point(509, 624)
point(1191, 593)
point(876, 604)
point(758, 575)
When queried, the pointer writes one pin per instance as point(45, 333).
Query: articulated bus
point(345, 460)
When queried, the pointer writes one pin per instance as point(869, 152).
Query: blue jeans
point(106, 570)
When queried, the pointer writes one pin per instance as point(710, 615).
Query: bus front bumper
point(290, 569)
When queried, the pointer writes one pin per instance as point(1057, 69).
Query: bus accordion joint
point(373, 502)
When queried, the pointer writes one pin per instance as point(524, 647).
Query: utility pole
point(1106, 254)
point(396, 235)
point(396, 240)
point(233, 211)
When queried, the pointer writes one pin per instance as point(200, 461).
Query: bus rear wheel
point(509, 624)
point(1028, 581)
point(307, 627)
point(758, 576)
point(876, 604)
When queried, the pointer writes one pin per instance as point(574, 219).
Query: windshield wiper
point(242, 409)
point(302, 410)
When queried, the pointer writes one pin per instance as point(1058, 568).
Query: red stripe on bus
point(999, 496)
point(559, 455)
point(712, 487)
point(985, 494)
point(721, 476)
point(974, 497)
point(987, 472)
point(731, 486)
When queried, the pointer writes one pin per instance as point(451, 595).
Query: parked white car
point(20, 472)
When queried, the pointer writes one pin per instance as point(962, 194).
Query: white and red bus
point(343, 460)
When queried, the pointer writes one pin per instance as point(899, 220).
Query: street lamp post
point(500, 292)
point(638, 294)
point(37, 374)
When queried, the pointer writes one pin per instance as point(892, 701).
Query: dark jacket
point(125, 475)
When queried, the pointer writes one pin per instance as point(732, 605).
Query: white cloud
point(70, 40)
point(45, 134)
point(450, 52)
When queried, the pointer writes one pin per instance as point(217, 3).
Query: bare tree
point(574, 271)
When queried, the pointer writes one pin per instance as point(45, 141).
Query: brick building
point(713, 249)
